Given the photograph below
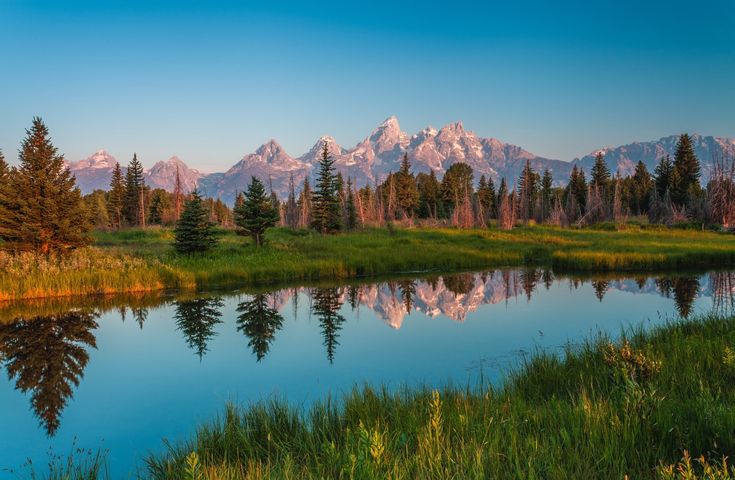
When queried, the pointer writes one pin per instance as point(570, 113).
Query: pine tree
point(457, 180)
point(134, 192)
point(159, 205)
point(116, 198)
point(304, 205)
point(257, 213)
point(527, 191)
point(291, 209)
point(600, 176)
point(502, 192)
point(351, 222)
point(429, 195)
point(7, 221)
point(194, 232)
point(326, 215)
point(665, 176)
point(641, 187)
point(49, 213)
point(178, 195)
point(547, 186)
point(407, 194)
point(486, 196)
point(686, 166)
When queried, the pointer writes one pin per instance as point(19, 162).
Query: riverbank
point(602, 410)
point(642, 407)
point(143, 260)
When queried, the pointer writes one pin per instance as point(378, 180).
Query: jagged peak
point(456, 128)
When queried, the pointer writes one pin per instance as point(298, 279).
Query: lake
point(123, 373)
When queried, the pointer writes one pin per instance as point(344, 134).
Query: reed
point(143, 259)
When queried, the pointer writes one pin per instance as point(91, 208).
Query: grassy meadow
point(144, 260)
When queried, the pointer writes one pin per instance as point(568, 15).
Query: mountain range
point(380, 153)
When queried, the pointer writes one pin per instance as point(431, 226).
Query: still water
point(121, 374)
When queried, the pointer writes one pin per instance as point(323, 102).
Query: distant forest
point(41, 208)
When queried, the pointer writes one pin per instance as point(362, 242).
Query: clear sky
point(210, 81)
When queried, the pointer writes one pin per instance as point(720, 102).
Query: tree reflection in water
point(326, 305)
point(259, 322)
point(46, 356)
point(197, 320)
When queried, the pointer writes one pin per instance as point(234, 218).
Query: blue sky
point(212, 80)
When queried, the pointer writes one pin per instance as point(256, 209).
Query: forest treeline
point(41, 208)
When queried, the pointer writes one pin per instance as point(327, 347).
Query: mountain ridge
point(380, 153)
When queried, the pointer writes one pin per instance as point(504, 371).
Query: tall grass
point(637, 408)
point(140, 260)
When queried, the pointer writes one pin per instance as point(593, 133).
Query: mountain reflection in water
point(44, 346)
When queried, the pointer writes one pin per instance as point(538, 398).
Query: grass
point(641, 407)
point(143, 260)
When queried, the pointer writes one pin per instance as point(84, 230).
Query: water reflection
point(46, 357)
point(259, 322)
point(44, 346)
point(326, 305)
point(197, 320)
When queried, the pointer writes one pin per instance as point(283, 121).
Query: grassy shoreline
point(656, 404)
point(602, 410)
point(143, 260)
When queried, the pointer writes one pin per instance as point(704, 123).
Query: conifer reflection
point(197, 320)
point(259, 322)
point(327, 302)
point(46, 357)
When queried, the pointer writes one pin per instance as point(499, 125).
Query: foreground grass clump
point(602, 410)
point(133, 260)
point(84, 271)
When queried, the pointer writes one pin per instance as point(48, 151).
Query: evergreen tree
point(457, 182)
point(194, 232)
point(291, 209)
point(351, 208)
point(178, 195)
point(577, 187)
point(97, 210)
point(326, 215)
point(257, 213)
point(7, 220)
point(502, 193)
point(486, 196)
point(600, 176)
point(116, 198)
point(134, 192)
point(641, 187)
point(48, 212)
point(407, 194)
point(158, 206)
point(304, 205)
point(527, 191)
point(665, 176)
point(430, 203)
point(547, 194)
point(686, 166)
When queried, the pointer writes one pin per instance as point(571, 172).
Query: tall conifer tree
point(49, 213)
point(326, 215)
point(256, 214)
point(686, 166)
point(194, 232)
point(116, 197)
point(134, 192)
